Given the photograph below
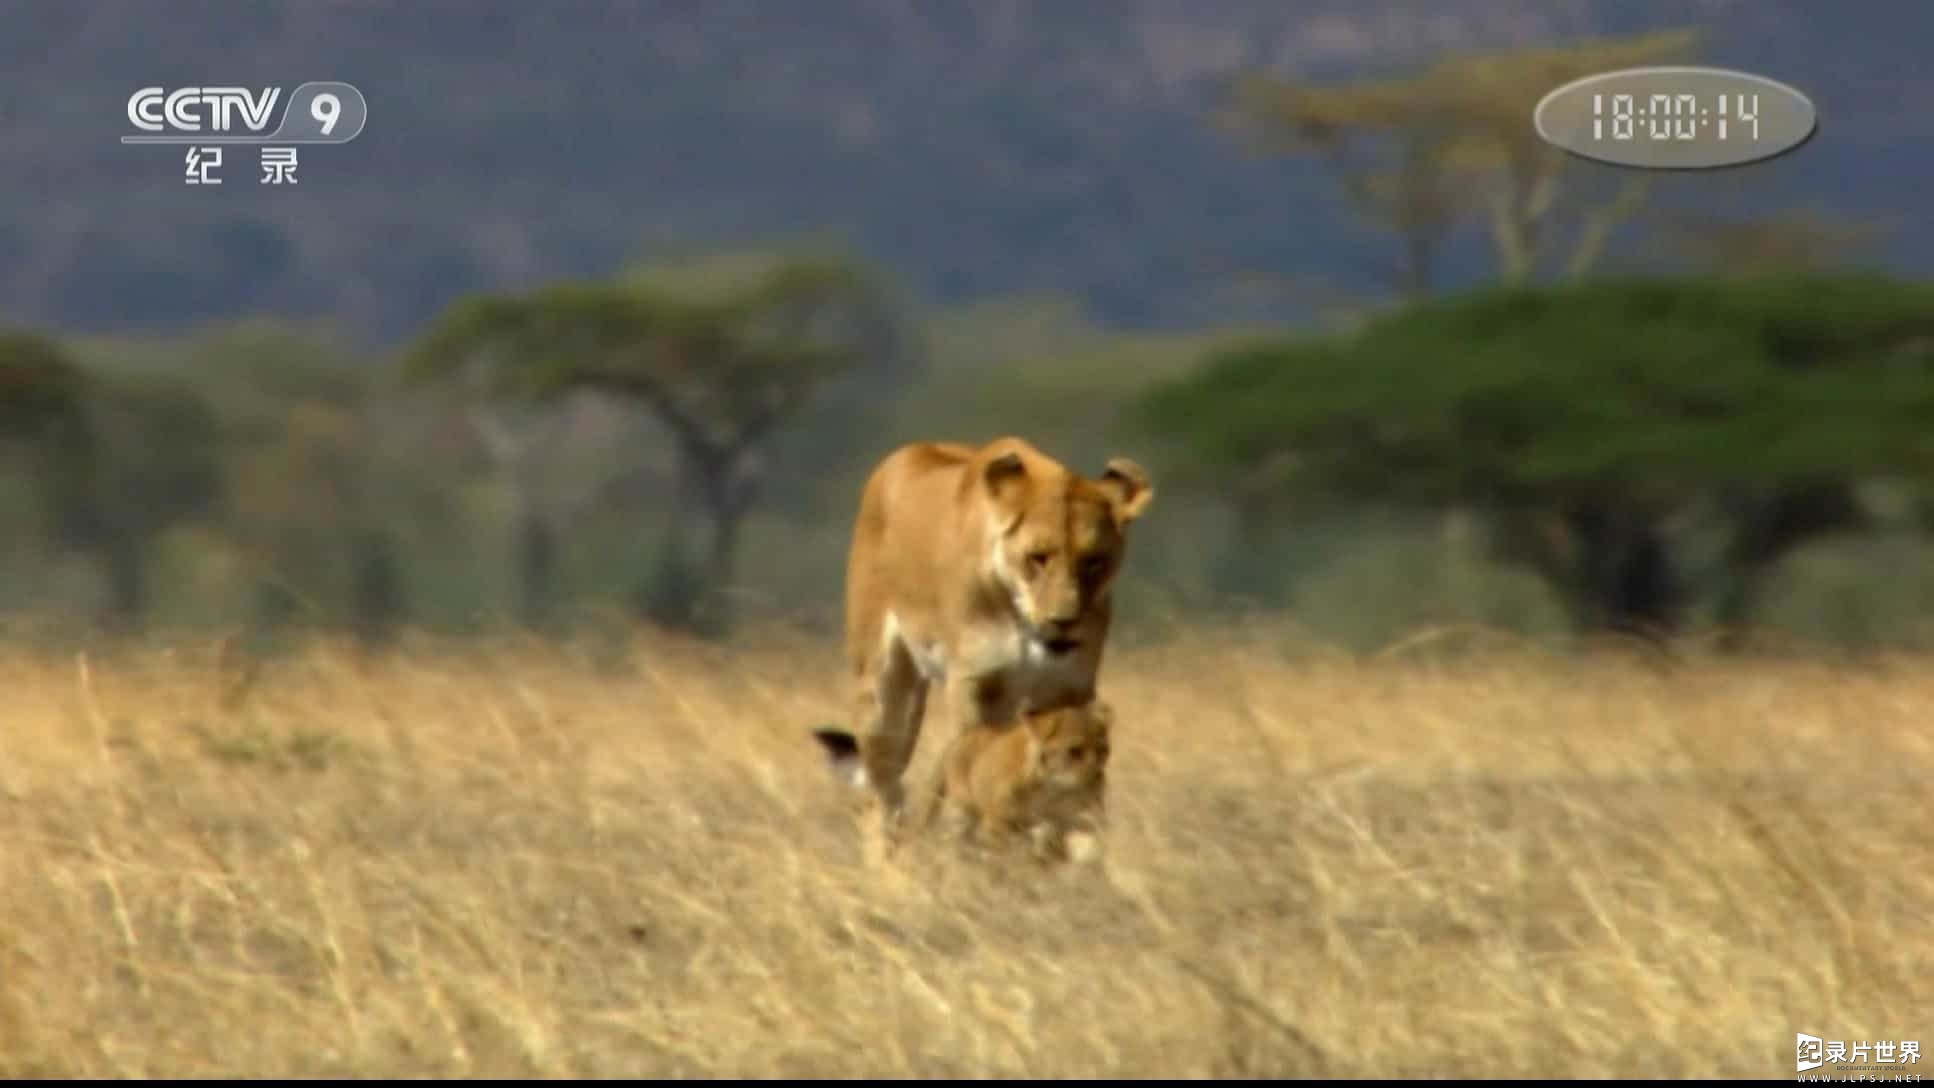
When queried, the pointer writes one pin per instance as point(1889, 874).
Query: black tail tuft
point(839, 744)
point(842, 754)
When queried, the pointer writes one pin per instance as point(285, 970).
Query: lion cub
point(1044, 776)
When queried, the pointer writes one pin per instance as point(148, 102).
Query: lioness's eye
point(1037, 560)
point(1094, 566)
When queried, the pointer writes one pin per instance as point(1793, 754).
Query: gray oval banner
point(1676, 118)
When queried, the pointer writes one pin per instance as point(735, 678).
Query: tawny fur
point(987, 570)
point(1044, 777)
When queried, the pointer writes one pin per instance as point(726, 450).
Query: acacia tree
point(1422, 153)
point(720, 374)
point(1587, 421)
point(1427, 154)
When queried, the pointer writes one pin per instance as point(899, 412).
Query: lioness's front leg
point(891, 705)
point(940, 801)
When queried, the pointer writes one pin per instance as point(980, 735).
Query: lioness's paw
point(1083, 847)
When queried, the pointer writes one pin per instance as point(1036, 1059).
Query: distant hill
point(1057, 146)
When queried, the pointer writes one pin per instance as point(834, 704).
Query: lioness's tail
point(842, 755)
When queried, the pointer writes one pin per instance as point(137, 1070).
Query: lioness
point(987, 568)
point(1045, 776)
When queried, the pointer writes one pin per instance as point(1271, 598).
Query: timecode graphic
point(1676, 118)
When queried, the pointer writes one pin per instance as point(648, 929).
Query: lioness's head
point(1072, 745)
point(1060, 538)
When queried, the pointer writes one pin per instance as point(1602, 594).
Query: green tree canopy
point(1584, 416)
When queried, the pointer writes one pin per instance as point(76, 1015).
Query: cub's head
point(1059, 538)
point(1071, 746)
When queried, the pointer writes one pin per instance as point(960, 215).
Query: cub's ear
point(1127, 486)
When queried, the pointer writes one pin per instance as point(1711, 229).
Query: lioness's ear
point(1127, 486)
point(1003, 469)
point(1004, 476)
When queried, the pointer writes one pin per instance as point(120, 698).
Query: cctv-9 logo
point(320, 112)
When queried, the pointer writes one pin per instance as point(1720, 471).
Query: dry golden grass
point(528, 860)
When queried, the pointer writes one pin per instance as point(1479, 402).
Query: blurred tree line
point(1644, 446)
point(1650, 450)
point(318, 478)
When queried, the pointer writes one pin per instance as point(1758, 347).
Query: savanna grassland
point(531, 859)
